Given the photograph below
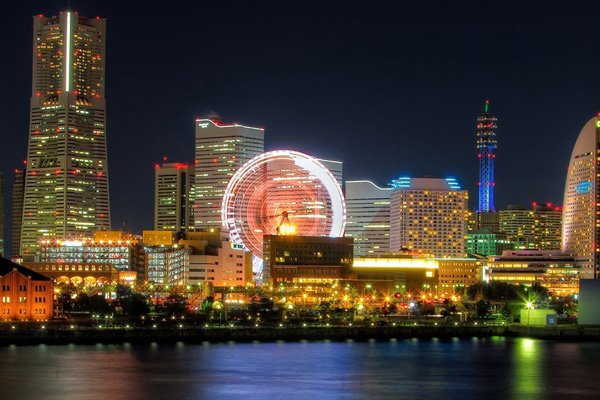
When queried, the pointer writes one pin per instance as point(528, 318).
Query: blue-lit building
point(486, 146)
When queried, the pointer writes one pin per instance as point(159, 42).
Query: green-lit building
point(488, 243)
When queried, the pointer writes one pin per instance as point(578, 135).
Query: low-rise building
point(318, 259)
point(553, 270)
point(26, 295)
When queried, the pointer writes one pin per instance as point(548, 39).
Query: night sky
point(388, 87)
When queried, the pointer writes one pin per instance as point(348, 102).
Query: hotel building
point(368, 218)
point(535, 229)
point(66, 186)
point(428, 215)
point(581, 205)
point(221, 149)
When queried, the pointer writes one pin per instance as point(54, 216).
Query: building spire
point(487, 106)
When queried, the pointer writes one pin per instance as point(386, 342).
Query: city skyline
point(319, 117)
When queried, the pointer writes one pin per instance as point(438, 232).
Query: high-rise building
point(66, 186)
point(536, 229)
point(221, 149)
point(173, 197)
point(581, 206)
point(368, 217)
point(428, 215)
point(17, 211)
point(336, 168)
point(486, 145)
point(1, 214)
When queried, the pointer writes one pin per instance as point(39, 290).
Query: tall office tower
point(536, 229)
point(66, 186)
point(173, 199)
point(368, 218)
point(428, 215)
point(336, 169)
point(2, 215)
point(221, 149)
point(580, 233)
point(17, 211)
point(486, 144)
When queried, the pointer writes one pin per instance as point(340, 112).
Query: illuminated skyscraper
point(486, 145)
point(221, 149)
point(66, 187)
point(17, 210)
point(173, 199)
point(368, 218)
point(580, 230)
point(428, 215)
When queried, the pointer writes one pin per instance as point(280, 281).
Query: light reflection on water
point(489, 368)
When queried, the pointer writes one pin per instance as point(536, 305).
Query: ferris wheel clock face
point(282, 187)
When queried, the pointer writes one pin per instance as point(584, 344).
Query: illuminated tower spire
point(486, 145)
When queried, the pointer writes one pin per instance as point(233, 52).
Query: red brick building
point(24, 294)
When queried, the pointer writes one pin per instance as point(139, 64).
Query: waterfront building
point(428, 215)
point(196, 258)
point(581, 206)
point(538, 228)
point(66, 186)
point(368, 217)
point(414, 271)
point(18, 191)
point(173, 197)
point(554, 270)
point(26, 295)
point(488, 243)
point(486, 146)
point(116, 248)
point(77, 273)
point(456, 274)
point(221, 149)
point(306, 259)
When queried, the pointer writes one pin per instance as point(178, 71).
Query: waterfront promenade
point(65, 333)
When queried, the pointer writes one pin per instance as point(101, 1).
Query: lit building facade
point(26, 295)
point(486, 147)
point(536, 229)
point(66, 186)
point(368, 217)
point(428, 215)
point(115, 248)
point(581, 206)
point(17, 211)
point(173, 197)
point(196, 258)
point(487, 243)
point(316, 259)
point(457, 274)
point(556, 271)
point(221, 149)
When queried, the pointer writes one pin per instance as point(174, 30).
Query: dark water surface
point(404, 369)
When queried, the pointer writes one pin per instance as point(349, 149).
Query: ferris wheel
point(282, 192)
